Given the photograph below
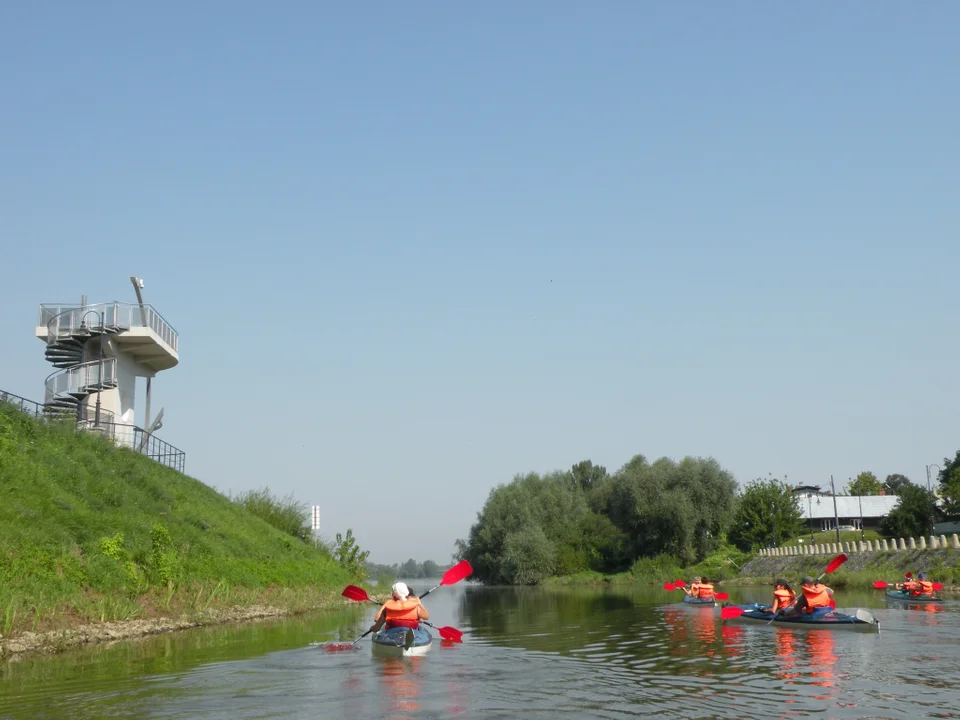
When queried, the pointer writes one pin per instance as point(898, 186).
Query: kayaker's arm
point(422, 612)
point(379, 620)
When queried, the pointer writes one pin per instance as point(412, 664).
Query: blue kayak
point(402, 642)
point(690, 600)
point(824, 618)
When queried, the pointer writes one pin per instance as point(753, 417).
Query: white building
point(853, 511)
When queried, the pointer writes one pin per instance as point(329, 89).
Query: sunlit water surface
point(529, 653)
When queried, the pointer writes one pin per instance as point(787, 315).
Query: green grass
point(92, 531)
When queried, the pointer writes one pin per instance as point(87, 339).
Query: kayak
point(402, 642)
point(690, 600)
point(826, 619)
point(903, 596)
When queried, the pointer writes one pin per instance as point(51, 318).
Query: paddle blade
point(880, 585)
point(457, 573)
point(728, 613)
point(352, 592)
point(339, 647)
point(721, 596)
point(938, 586)
point(669, 586)
point(679, 583)
point(450, 633)
point(835, 563)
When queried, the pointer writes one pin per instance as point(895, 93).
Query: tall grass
point(92, 531)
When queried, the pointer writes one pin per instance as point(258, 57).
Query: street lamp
point(100, 330)
point(933, 503)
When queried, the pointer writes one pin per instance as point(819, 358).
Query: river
point(529, 652)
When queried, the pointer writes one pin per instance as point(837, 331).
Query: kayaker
point(783, 596)
point(401, 610)
point(925, 587)
point(694, 589)
point(705, 589)
point(908, 584)
point(815, 596)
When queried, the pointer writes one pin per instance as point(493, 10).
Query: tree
point(766, 514)
point(680, 509)
point(911, 516)
point(431, 569)
point(895, 482)
point(349, 555)
point(950, 486)
point(865, 483)
point(585, 475)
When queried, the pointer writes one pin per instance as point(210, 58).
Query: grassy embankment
point(90, 532)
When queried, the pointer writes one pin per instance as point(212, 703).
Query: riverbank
point(860, 571)
point(98, 542)
point(75, 634)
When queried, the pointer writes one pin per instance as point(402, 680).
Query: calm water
point(527, 653)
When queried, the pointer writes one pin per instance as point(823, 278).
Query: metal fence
point(124, 434)
point(66, 320)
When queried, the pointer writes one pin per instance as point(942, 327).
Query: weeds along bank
point(93, 533)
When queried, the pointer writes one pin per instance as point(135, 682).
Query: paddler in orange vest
point(924, 586)
point(908, 584)
point(402, 610)
point(705, 589)
point(815, 596)
point(783, 596)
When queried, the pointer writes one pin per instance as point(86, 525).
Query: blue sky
point(414, 249)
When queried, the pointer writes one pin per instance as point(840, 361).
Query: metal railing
point(63, 321)
point(22, 404)
point(81, 379)
point(136, 437)
point(132, 436)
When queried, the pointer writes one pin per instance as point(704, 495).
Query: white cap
point(400, 590)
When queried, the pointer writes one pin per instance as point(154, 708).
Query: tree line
point(409, 569)
point(586, 519)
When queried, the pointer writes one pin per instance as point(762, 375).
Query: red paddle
point(881, 585)
point(679, 583)
point(938, 586)
point(446, 632)
point(353, 592)
point(669, 586)
point(730, 612)
point(454, 575)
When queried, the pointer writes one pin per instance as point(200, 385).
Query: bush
point(288, 515)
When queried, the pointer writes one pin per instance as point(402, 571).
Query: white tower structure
point(100, 350)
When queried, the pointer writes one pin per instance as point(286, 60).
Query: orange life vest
point(705, 590)
point(910, 585)
point(401, 613)
point(926, 587)
point(817, 597)
point(783, 598)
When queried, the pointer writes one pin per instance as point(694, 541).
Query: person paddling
point(705, 590)
point(694, 589)
point(923, 586)
point(908, 584)
point(401, 610)
point(816, 596)
point(783, 597)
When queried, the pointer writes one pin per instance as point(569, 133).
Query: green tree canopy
point(911, 516)
point(866, 483)
point(950, 486)
point(895, 482)
point(767, 514)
